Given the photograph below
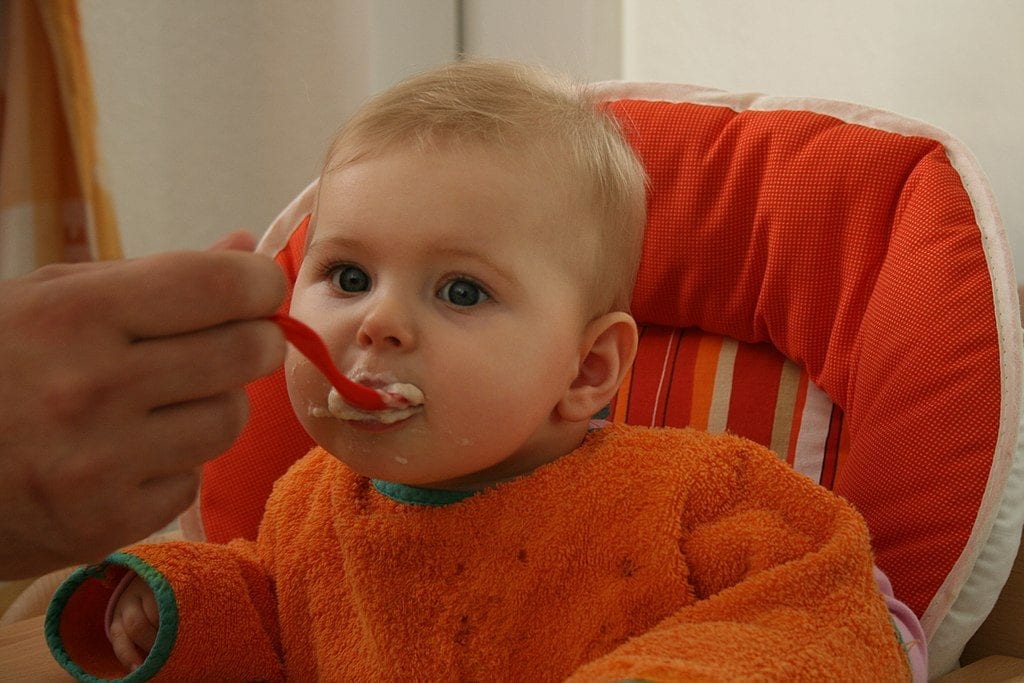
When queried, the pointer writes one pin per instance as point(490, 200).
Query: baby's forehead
point(541, 170)
point(540, 185)
point(540, 151)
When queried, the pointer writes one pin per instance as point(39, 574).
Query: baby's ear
point(606, 353)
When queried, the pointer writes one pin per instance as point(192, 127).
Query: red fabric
point(852, 251)
point(237, 484)
point(758, 368)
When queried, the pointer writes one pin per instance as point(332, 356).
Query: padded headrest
point(857, 254)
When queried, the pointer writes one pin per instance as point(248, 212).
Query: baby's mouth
point(402, 395)
point(404, 400)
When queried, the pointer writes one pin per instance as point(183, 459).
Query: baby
point(475, 241)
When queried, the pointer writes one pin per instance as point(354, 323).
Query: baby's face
point(441, 270)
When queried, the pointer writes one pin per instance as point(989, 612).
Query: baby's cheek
point(307, 389)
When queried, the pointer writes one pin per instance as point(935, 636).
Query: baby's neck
point(453, 492)
point(560, 441)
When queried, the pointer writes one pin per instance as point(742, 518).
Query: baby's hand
point(134, 623)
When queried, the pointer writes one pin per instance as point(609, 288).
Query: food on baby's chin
point(408, 395)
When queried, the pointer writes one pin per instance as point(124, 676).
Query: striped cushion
point(691, 377)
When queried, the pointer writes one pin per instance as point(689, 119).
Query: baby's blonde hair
point(517, 108)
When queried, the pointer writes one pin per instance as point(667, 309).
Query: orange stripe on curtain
point(53, 205)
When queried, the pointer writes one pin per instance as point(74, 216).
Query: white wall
point(579, 37)
point(213, 115)
point(957, 64)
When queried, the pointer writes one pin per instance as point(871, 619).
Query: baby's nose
point(387, 324)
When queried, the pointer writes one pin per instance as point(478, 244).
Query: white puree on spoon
point(336, 406)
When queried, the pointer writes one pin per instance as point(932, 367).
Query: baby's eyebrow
point(333, 242)
point(483, 259)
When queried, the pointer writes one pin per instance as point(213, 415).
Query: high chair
point(830, 280)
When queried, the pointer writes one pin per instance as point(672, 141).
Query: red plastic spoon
point(309, 343)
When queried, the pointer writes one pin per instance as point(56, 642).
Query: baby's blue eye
point(350, 279)
point(463, 293)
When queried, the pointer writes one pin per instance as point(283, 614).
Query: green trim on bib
point(413, 495)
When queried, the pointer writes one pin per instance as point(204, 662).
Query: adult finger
point(157, 502)
point(170, 294)
point(238, 239)
point(179, 438)
point(54, 271)
point(170, 370)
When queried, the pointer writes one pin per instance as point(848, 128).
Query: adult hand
point(117, 381)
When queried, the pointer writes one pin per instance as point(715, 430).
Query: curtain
point(53, 203)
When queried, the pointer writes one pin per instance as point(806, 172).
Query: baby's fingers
point(133, 630)
point(124, 648)
point(140, 620)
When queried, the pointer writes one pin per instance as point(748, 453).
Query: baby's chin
point(405, 400)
